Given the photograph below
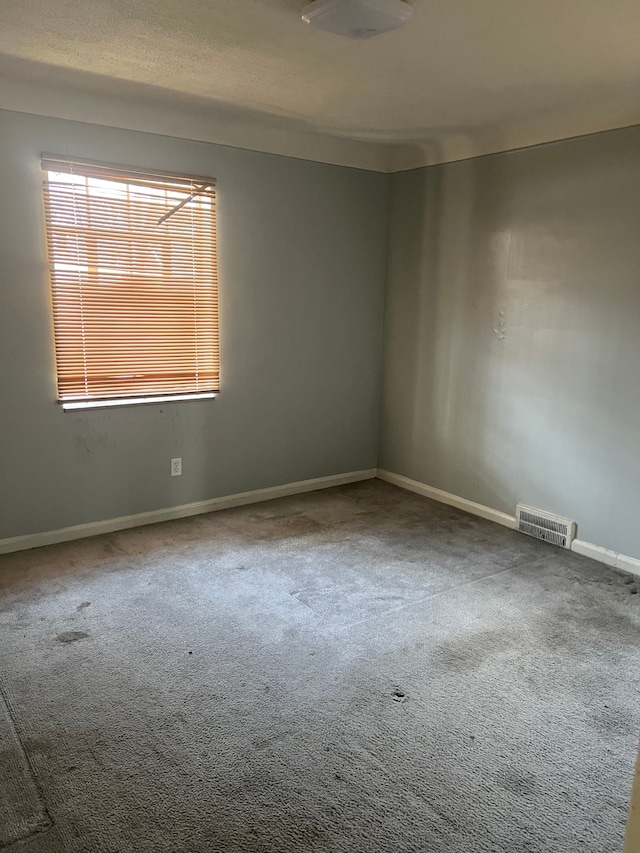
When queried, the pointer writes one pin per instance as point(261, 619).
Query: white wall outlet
point(176, 467)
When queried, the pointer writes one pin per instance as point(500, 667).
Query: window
point(133, 264)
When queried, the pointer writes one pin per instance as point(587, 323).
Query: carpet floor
point(358, 669)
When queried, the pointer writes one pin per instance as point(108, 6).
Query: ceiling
point(463, 77)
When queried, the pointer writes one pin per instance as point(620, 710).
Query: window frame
point(182, 192)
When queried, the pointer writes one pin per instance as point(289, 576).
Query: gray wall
point(301, 255)
point(512, 336)
point(512, 332)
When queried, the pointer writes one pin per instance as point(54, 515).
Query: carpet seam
point(437, 594)
point(4, 695)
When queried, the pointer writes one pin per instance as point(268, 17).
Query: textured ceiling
point(459, 69)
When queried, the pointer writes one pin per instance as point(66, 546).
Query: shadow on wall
point(435, 317)
point(511, 319)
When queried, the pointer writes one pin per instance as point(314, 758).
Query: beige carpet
point(351, 670)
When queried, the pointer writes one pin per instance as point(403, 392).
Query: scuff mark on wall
point(500, 329)
point(89, 437)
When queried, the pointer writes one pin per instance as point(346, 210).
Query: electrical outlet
point(176, 467)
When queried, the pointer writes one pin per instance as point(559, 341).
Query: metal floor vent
point(545, 526)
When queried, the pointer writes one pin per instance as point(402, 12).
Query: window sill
point(71, 406)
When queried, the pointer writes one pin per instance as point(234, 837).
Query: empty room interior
point(320, 457)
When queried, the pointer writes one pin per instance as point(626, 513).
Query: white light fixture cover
point(357, 19)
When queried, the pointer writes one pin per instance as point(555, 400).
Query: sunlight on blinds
point(133, 267)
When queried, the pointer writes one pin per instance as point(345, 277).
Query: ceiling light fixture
point(357, 19)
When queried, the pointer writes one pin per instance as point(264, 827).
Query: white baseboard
point(604, 555)
point(94, 528)
point(448, 498)
point(587, 549)
point(83, 531)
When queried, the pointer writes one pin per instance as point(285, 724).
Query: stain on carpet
point(398, 695)
point(71, 636)
point(470, 651)
point(282, 527)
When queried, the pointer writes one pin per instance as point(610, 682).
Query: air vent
point(545, 526)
